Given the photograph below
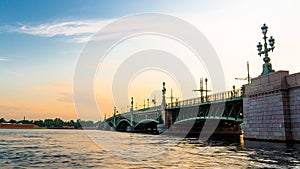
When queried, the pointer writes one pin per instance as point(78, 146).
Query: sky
point(41, 41)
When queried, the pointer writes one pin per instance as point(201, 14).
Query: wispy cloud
point(65, 97)
point(2, 59)
point(61, 90)
point(63, 85)
point(80, 30)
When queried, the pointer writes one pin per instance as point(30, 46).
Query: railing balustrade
point(214, 97)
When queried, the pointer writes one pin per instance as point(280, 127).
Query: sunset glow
point(40, 43)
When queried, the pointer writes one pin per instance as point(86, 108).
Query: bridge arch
point(216, 109)
point(123, 125)
point(236, 111)
point(111, 124)
point(147, 125)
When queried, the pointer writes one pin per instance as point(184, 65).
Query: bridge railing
point(139, 111)
point(214, 97)
point(138, 115)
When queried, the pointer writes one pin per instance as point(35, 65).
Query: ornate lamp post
point(131, 115)
point(206, 96)
point(267, 66)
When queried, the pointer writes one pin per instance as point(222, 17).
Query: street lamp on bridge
point(201, 90)
point(267, 66)
point(172, 97)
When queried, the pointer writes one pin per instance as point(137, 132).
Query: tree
point(39, 123)
point(2, 120)
point(87, 123)
point(26, 122)
point(58, 123)
point(49, 123)
point(12, 121)
point(78, 124)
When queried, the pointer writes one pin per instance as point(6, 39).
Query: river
point(47, 148)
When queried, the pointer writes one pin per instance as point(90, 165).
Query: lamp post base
point(267, 68)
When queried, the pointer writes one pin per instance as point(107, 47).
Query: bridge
point(225, 107)
point(268, 108)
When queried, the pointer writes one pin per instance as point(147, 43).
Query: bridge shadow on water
point(205, 129)
point(255, 154)
point(282, 155)
point(232, 147)
point(259, 154)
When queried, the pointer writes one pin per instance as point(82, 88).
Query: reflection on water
point(274, 155)
point(74, 149)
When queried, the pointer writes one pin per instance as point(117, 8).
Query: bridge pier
point(164, 119)
point(161, 128)
point(129, 129)
point(271, 107)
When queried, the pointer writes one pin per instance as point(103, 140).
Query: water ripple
point(73, 149)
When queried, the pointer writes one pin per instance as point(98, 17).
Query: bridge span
point(189, 115)
point(268, 107)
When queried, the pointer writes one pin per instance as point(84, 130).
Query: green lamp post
point(267, 66)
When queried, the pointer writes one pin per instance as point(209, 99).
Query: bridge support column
point(162, 126)
point(266, 108)
point(130, 128)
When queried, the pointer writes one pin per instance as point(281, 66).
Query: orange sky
point(38, 57)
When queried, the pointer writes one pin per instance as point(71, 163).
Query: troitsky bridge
point(225, 107)
point(268, 107)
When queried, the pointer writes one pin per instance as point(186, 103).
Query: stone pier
point(271, 107)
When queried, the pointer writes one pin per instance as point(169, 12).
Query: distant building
point(68, 127)
point(17, 126)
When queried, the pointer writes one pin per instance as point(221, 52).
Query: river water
point(47, 148)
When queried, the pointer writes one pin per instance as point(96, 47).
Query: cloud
point(80, 30)
point(63, 91)
point(65, 97)
point(2, 59)
point(63, 85)
point(15, 107)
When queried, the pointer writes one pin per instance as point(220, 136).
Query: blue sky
point(39, 11)
point(40, 42)
point(36, 69)
point(33, 11)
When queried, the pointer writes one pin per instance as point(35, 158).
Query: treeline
point(54, 123)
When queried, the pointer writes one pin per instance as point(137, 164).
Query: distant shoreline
point(26, 126)
point(30, 126)
point(56, 123)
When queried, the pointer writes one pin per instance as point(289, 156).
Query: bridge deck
point(221, 106)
